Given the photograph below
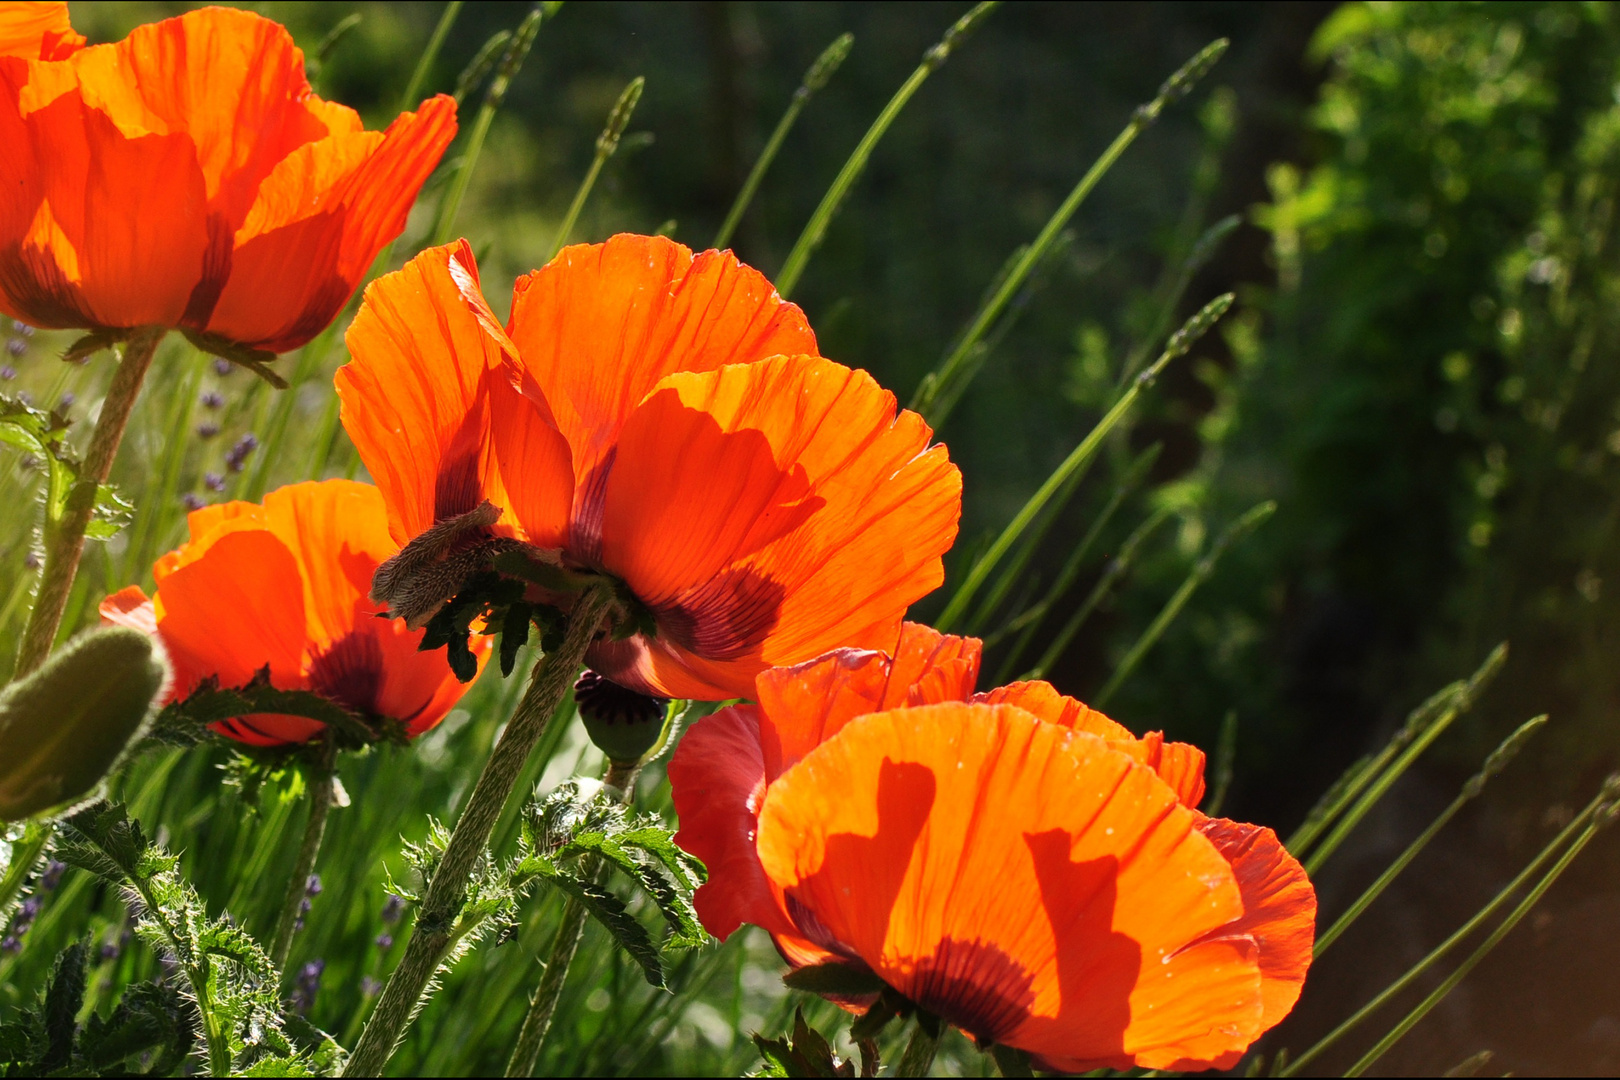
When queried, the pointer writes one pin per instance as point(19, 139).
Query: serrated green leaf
point(63, 996)
point(610, 911)
point(659, 842)
point(186, 721)
point(672, 904)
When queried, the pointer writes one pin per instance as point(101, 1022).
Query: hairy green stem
point(64, 539)
point(322, 781)
point(433, 934)
point(919, 1053)
point(621, 777)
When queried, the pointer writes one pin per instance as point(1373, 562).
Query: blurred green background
point(1422, 370)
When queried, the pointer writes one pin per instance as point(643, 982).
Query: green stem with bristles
point(814, 79)
point(816, 229)
point(322, 782)
point(919, 1053)
point(607, 144)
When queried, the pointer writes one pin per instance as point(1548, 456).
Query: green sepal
point(185, 722)
point(63, 728)
point(835, 977)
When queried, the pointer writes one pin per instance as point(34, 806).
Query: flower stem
point(621, 776)
point(919, 1054)
point(322, 783)
point(64, 536)
point(434, 932)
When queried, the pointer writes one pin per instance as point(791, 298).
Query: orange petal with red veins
point(931, 667)
point(419, 394)
point(1180, 765)
point(1279, 909)
point(1028, 884)
point(325, 210)
point(37, 31)
point(768, 513)
point(805, 705)
point(601, 324)
point(717, 778)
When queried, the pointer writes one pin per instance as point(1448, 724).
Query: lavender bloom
point(221, 366)
point(67, 400)
point(370, 987)
point(207, 431)
point(214, 481)
point(309, 984)
point(393, 909)
point(16, 346)
point(8, 373)
point(52, 874)
point(192, 501)
point(21, 329)
point(237, 458)
point(385, 941)
point(212, 399)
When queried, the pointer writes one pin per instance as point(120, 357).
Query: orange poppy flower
point(37, 31)
point(188, 178)
point(830, 722)
point(660, 418)
point(284, 585)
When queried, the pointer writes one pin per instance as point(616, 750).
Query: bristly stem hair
point(431, 938)
point(322, 781)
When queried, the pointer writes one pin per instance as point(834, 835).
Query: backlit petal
point(1029, 884)
point(37, 30)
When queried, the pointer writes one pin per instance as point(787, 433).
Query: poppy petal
point(37, 31)
point(717, 778)
point(1029, 884)
point(1279, 909)
point(740, 500)
point(931, 667)
point(1180, 765)
point(805, 705)
point(337, 531)
point(329, 205)
point(417, 398)
point(601, 324)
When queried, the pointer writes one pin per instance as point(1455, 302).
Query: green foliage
point(185, 722)
point(42, 435)
point(806, 1052)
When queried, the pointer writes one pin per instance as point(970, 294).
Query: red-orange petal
point(418, 398)
point(36, 30)
point(601, 324)
point(1027, 883)
point(318, 220)
point(717, 778)
point(1181, 765)
point(768, 513)
point(1279, 909)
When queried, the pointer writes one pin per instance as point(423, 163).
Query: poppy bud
point(625, 725)
point(64, 727)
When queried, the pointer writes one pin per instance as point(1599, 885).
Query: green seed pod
point(64, 727)
point(624, 724)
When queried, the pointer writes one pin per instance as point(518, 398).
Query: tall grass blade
point(1378, 787)
point(1601, 801)
point(482, 63)
point(1225, 762)
point(814, 231)
point(511, 62)
point(1494, 764)
point(607, 144)
point(822, 70)
point(430, 54)
point(1199, 574)
point(932, 392)
point(1030, 620)
point(1202, 251)
point(1116, 569)
point(1423, 1008)
point(1013, 572)
point(1183, 340)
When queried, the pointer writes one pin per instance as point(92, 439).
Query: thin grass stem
point(826, 64)
point(431, 938)
point(1462, 933)
point(153, 515)
point(1424, 1007)
point(937, 387)
point(815, 230)
point(322, 781)
point(1225, 760)
point(424, 65)
point(1179, 343)
point(1377, 788)
point(1198, 575)
point(511, 62)
point(64, 536)
point(1116, 569)
point(607, 144)
point(621, 778)
point(1494, 764)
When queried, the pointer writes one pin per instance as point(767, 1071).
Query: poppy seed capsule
point(624, 724)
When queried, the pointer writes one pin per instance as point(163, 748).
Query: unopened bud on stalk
point(625, 725)
point(64, 727)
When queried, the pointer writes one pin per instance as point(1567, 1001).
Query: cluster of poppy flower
point(1012, 862)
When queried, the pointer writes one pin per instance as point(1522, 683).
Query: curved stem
point(919, 1054)
point(433, 934)
point(64, 537)
point(621, 777)
point(322, 783)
